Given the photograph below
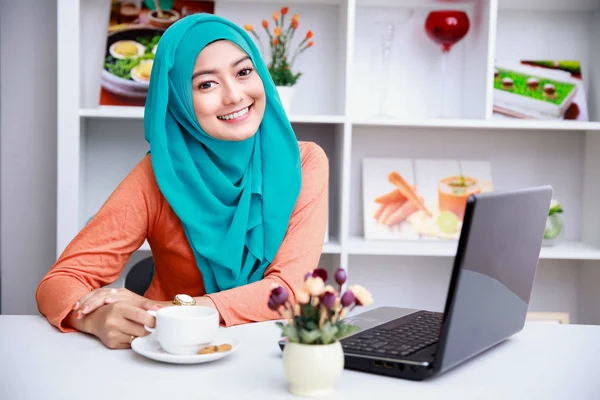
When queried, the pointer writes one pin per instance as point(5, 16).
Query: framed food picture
point(539, 89)
point(419, 199)
point(134, 30)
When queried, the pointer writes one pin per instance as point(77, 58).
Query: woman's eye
point(205, 85)
point(246, 71)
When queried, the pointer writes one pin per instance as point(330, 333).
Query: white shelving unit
point(335, 106)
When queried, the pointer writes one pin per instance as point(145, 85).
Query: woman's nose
point(233, 93)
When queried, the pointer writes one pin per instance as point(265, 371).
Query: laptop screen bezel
point(454, 279)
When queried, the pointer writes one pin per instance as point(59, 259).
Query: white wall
point(28, 149)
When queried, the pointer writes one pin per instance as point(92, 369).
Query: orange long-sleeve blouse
point(137, 211)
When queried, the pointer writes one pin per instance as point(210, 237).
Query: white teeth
point(235, 114)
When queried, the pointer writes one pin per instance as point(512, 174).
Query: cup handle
point(153, 313)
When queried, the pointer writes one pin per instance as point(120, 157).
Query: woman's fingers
point(120, 323)
point(80, 305)
point(118, 340)
point(130, 328)
point(139, 316)
point(151, 305)
point(128, 331)
point(96, 299)
point(99, 299)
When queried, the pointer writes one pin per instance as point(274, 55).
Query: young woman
point(228, 199)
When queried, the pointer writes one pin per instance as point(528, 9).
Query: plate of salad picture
point(128, 60)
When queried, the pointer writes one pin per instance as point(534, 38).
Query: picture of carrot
point(390, 197)
point(407, 191)
point(401, 213)
point(389, 210)
point(379, 210)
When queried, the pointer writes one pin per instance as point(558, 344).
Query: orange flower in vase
point(282, 54)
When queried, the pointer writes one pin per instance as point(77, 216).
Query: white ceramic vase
point(313, 370)
point(286, 94)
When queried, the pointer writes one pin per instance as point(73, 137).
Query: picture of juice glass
point(453, 193)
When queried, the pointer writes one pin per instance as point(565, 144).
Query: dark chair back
point(139, 276)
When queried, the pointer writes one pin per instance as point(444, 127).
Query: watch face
point(184, 298)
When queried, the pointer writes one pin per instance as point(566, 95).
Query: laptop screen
point(498, 254)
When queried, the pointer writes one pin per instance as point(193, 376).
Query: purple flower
point(278, 296)
point(328, 300)
point(321, 273)
point(340, 276)
point(347, 299)
point(271, 304)
point(308, 275)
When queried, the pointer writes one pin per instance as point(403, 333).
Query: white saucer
point(148, 346)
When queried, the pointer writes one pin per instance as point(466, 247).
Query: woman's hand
point(117, 324)
point(99, 297)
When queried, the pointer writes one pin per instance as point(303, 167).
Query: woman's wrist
point(81, 324)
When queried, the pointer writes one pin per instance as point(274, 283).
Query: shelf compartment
point(551, 36)
point(321, 88)
point(568, 250)
point(518, 159)
point(415, 63)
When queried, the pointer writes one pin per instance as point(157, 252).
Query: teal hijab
point(234, 198)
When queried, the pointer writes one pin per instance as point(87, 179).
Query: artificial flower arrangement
point(282, 58)
point(318, 316)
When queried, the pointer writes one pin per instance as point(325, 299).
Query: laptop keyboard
point(400, 339)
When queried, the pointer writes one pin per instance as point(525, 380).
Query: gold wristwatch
point(183, 300)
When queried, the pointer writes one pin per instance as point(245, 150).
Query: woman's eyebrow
point(246, 57)
point(214, 71)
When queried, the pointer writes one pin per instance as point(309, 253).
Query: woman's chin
point(241, 132)
point(236, 135)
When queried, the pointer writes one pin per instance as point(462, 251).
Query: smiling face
point(228, 94)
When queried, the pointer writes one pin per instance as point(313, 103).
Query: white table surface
point(39, 362)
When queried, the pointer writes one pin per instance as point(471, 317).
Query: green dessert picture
point(533, 87)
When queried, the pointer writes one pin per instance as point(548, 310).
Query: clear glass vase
point(387, 22)
point(554, 230)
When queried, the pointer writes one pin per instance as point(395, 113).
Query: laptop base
point(378, 350)
point(396, 369)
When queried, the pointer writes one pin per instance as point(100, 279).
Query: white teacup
point(185, 330)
